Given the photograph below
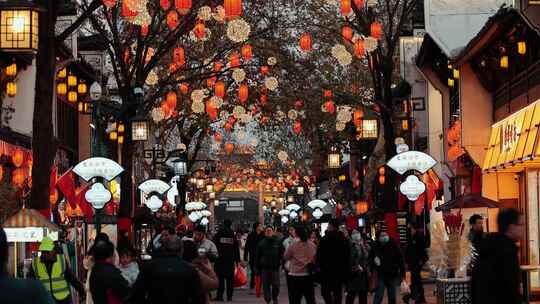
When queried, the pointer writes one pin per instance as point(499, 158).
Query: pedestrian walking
point(301, 257)
point(128, 264)
point(416, 257)
point(56, 276)
point(250, 250)
point(388, 262)
point(17, 291)
point(291, 238)
point(357, 285)
point(169, 279)
point(496, 273)
point(88, 264)
point(333, 256)
point(204, 244)
point(107, 284)
point(209, 279)
point(268, 261)
point(228, 259)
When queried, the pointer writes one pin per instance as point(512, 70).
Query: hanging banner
point(411, 160)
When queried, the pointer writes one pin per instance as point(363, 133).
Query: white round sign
point(412, 187)
point(98, 196)
point(95, 91)
point(154, 203)
point(402, 148)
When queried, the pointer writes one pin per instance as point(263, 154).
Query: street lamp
point(139, 129)
point(19, 27)
point(334, 159)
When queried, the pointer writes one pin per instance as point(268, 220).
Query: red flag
point(52, 183)
point(66, 184)
point(83, 204)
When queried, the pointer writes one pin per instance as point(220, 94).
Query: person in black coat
point(388, 263)
point(333, 260)
point(415, 256)
point(228, 257)
point(496, 273)
point(250, 249)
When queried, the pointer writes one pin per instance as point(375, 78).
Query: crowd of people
point(192, 267)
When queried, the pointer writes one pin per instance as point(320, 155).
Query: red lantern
point(264, 120)
point(346, 7)
point(18, 177)
point(210, 82)
point(327, 93)
point(382, 179)
point(357, 117)
point(297, 127)
point(243, 93)
point(305, 42)
point(183, 6)
point(376, 30)
point(217, 66)
point(219, 89)
point(298, 104)
point(211, 110)
point(234, 60)
point(233, 8)
point(359, 49)
point(362, 207)
point(144, 30)
point(218, 137)
point(184, 88)
point(18, 158)
point(165, 4)
point(359, 4)
point(200, 30)
point(264, 100)
point(264, 69)
point(126, 12)
point(247, 52)
point(171, 100)
point(330, 107)
point(347, 33)
point(172, 20)
point(179, 56)
point(229, 148)
point(109, 3)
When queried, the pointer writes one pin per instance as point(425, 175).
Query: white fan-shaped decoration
point(193, 216)
point(204, 221)
point(284, 212)
point(293, 207)
point(293, 214)
point(206, 213)
point(317, 204)
point(98, 167)
point(154, 185)
point(191, 206)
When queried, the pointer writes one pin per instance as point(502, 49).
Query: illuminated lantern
point(359, 3)
point(346, 7)
point(211, 110)
point(382, 170)
point(305, 42)
point(1, 173)
point(218, 137)
point(171, 100)
point(264, 69)
point(109, 3)
point(72, 96)
point(362, 207)
point(172, 20)
point(219, 89)
point(234, 60)
point(522, 47)
point(200, 30)
point(357, 117)
point(504, 62)
point(121, 128)
point(179, 56)
point(264, 100)
point(72, 80)
point(233, 8)
point(210, 82)
point(183, 6)
point(376, 30)
point(382, 179)
point(165, 4)
point(243, 93)
point(18, 177)
point(62, 73)
point(126, 11)
point(359, 49)
point(113, 135)
point(120, 139)
point(184, 88)
point(11, 70)
point(347, 33)
point(327, 93)
point(229, 148)
point(17, 158)
point(144, 30)
point(247, 52)
point(297, 127)
point(228, 127)
point(298, 104)
point(11, 89)
point(53, 197)
point(450, 82)
point(82, 88)
point(330, 107)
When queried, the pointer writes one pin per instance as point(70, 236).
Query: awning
point(468, 201)
point(513, 143)
point(29, 218)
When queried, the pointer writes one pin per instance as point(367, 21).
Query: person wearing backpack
point(268, 261)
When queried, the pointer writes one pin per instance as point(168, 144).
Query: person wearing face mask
point(388, 262)
point(268, 259)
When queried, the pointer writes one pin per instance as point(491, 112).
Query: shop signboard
point(27, 234)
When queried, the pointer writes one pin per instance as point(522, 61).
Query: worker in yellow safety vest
point(51, 269)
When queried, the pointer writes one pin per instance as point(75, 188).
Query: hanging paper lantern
point(127, 12)
point(359, 4)
point(376, 30)
point(247, 52)
point(327, 93)
point(362, 207)
point(346, 7)
point(305, 42)
point(210, 82)
point(238, 30)
point(297, 127)
point(11, 88)
point(179, 56)
point(382, 179)
point(264, 100)
point(298, 104)
point(359, 50)
point(265, 69)
point(330, 107)
point(109, 3)
point(17, 158)
point(184, 88)
point(243, 93)
point(218, 137)
point(357, 117)
point(347, 33)
point(165, 4)
point(233, 8)
point(183, 6)
point(200, 30)
point(217, 66)
point(219, 89)
point(18, 177)
point(234, 60)
point(171, 100)
point(172, 20)
point(229, 148)
point(211, 110)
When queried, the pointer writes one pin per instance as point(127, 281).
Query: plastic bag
point(404, 288)
point(240, 276)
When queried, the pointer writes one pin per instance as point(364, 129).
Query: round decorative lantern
point(17, 158)
point(346, 7)
point(229, 148)
point(305, 42)
point(362, 207)
point(359, 50)
point(376, 30)
point(18, 177)
point(183, 6)
point(347, 33)
point(247, 52)
point(233, 8)
point(243, 93)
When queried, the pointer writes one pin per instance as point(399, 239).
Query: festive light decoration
point(283, 156)
point(238, 30)
point(171, 99)
point(172, 19)
point(504, 62)
point(152, 78)
point(297, 128)
point(327, 93)
point(200, 30)
point(357, 117)
point(305, 42)
point(205, 13)
point(179, 56)
point(17, 158)
point(11, 89)
point(219, 89)
point(370, 44)
point(184, 88)
point(271, 61)
point(164, 4)
point(18, 177)
point(229, 148)
point(239, 75)
point(72, 96)
point(197, 107)
point(522, 47)
point(247, 52)
point(219, 14)
point(198, 95)
point(292, 114)
point(340, 126)
point(359, 50)
point(264, 69)
point(82, 88)
point(340, 52)
point(359, 3)
point(346, 7)
point(183, 6)
point(127, 12)
point(347, 33)
point(61, 89)
point(62, 73)
point(271, 83)
point(157, 115)
point(376, 30)
point(362, 207)
point(329, 107)
point(233, 8)
point(234, 60)
point(72, 80)
point(11, 70)
point(238, 111)
point(243, 93)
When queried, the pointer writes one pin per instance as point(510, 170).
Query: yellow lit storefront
point(512, 174)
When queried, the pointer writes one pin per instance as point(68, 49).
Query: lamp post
point(19, 26)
